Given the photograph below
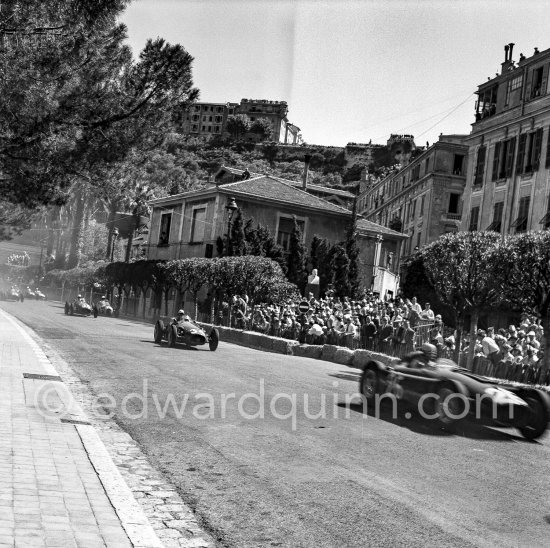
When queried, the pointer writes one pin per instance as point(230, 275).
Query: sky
point(350, 70)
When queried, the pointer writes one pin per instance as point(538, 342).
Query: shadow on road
point(405, 417)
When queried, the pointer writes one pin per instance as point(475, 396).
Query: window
point(529, 149)
point(487, 103)
point(194, 127)
point(165, 222)
point(536, 86)
point(496, 225)
point(474, 218)
point(210, 118)
point(286, 226)
point(453, 202)
point(480, 165)
point(545, 221)
point(422, 205)
point(427, 165)
point(217, 129)
point(418, 237)
point(196, 117)
point(413, 209)
point(415, 173)
point(547, 164)
point(204, 118)
point(520, 224)
point(218, 119)
point(203, 128)
point(209, 251)
point(513, 84)
point(197, 227)
point(503, 159)
point(457, 164)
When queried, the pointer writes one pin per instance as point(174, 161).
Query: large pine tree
point(352, 251)
point(296, 259)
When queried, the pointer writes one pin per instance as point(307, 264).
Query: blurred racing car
point(11, 294)
point(28, 293)
point(103, 307)
point(38, 295)
point(79, 307)
point(185, 331)
point(448, 394)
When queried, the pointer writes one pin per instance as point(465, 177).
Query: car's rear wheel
point(537, 421)
point(369, 384)
point(159, 331)
point(172, 335)
point(213, 339)
point(449, 407)
point(67, 308)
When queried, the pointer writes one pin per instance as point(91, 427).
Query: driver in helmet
point(79, 297)
point(425, 357)
point(180, 316)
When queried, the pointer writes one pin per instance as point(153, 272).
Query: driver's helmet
point(79, 296)
point(103, 298)
point(430, 351)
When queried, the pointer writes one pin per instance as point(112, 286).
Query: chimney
point(511, 44)
point(307, 159)
point(506, 48)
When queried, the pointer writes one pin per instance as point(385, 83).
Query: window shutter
point(495, 161)
point(510, 156)
point(537, 149)
point(548, 149)
point(528, 86)
point(480, 166)
point(544, 80)
point(521, 153)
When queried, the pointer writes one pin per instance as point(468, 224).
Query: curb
point(131, 516)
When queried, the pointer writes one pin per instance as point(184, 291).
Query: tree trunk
point(473, 337)
point(110, 223)
point(546, 342)
point(195, 305)
point(458, 339)
point(77, 240)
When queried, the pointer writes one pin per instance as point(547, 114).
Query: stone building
point(207, 120)
point(508, 177)
point(422, 199)
point(189, 224)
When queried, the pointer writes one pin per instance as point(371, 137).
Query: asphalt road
point(342, 479)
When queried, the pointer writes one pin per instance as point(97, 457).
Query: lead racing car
point(103, 307)
point(79, 306)
point(448, 394)
point(182, 329)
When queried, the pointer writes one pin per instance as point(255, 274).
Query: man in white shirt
point(490, 347)
point(416, 306)
point(427, 313)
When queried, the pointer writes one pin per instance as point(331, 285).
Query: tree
point(465, 272)
point(525, 258)
point(263, 128)
point(73, 100)
point(340, 264)
point(352, 251)
point(321, 259)
point(296, 259)
point(237, 242)
point(237, 126)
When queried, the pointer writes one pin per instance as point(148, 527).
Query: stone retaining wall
point(327, 352)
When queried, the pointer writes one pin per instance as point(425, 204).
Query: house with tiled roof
point(344, 198)
point(189, 224)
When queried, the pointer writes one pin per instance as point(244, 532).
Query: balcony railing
point(454, 216)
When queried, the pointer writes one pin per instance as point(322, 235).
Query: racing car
point(38, 295)
point(185, 331)
point(79, 306)
point(103, 307)
point(12, 294)
point(449, 394)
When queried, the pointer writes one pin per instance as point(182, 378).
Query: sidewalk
point(58, 485)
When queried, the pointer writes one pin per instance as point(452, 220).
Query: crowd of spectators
point(393, 327)
point(514, 354)
point(396, 327)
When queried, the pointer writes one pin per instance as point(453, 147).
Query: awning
point(494, 226)
point(519, 221)
point(545, 220)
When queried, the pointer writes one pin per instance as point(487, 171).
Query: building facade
point(422, 199)
point(189, 224)
point(508, 177)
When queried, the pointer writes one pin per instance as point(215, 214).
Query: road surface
point(343, 478)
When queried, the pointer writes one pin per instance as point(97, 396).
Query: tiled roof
point(325, 190)
point(363, 224)
point(272, 188)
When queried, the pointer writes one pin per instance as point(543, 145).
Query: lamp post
point(113, 241)
point(231, 208)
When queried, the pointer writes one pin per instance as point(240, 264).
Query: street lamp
point(231, 208)
point(114, 237)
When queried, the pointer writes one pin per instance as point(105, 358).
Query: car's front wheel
point(369, 384)
point(213, 339)
point(172, 335)
point(449, 407)
point(538, 417)
point(159, 331)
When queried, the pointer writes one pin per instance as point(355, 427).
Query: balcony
point(454, 216)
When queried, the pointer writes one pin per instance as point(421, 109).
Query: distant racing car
point(38, 295)
point(449, 394)
point(103, 307)
point(79, 307)
point(185, 331)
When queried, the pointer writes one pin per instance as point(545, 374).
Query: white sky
point(350, 70)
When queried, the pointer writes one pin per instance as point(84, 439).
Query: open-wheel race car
point(103, 308)
point(38, 295)
point(443, 392)
point(11, 294)
point(79, 307)
point(183, 330)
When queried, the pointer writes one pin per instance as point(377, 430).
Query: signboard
point(303, 307)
